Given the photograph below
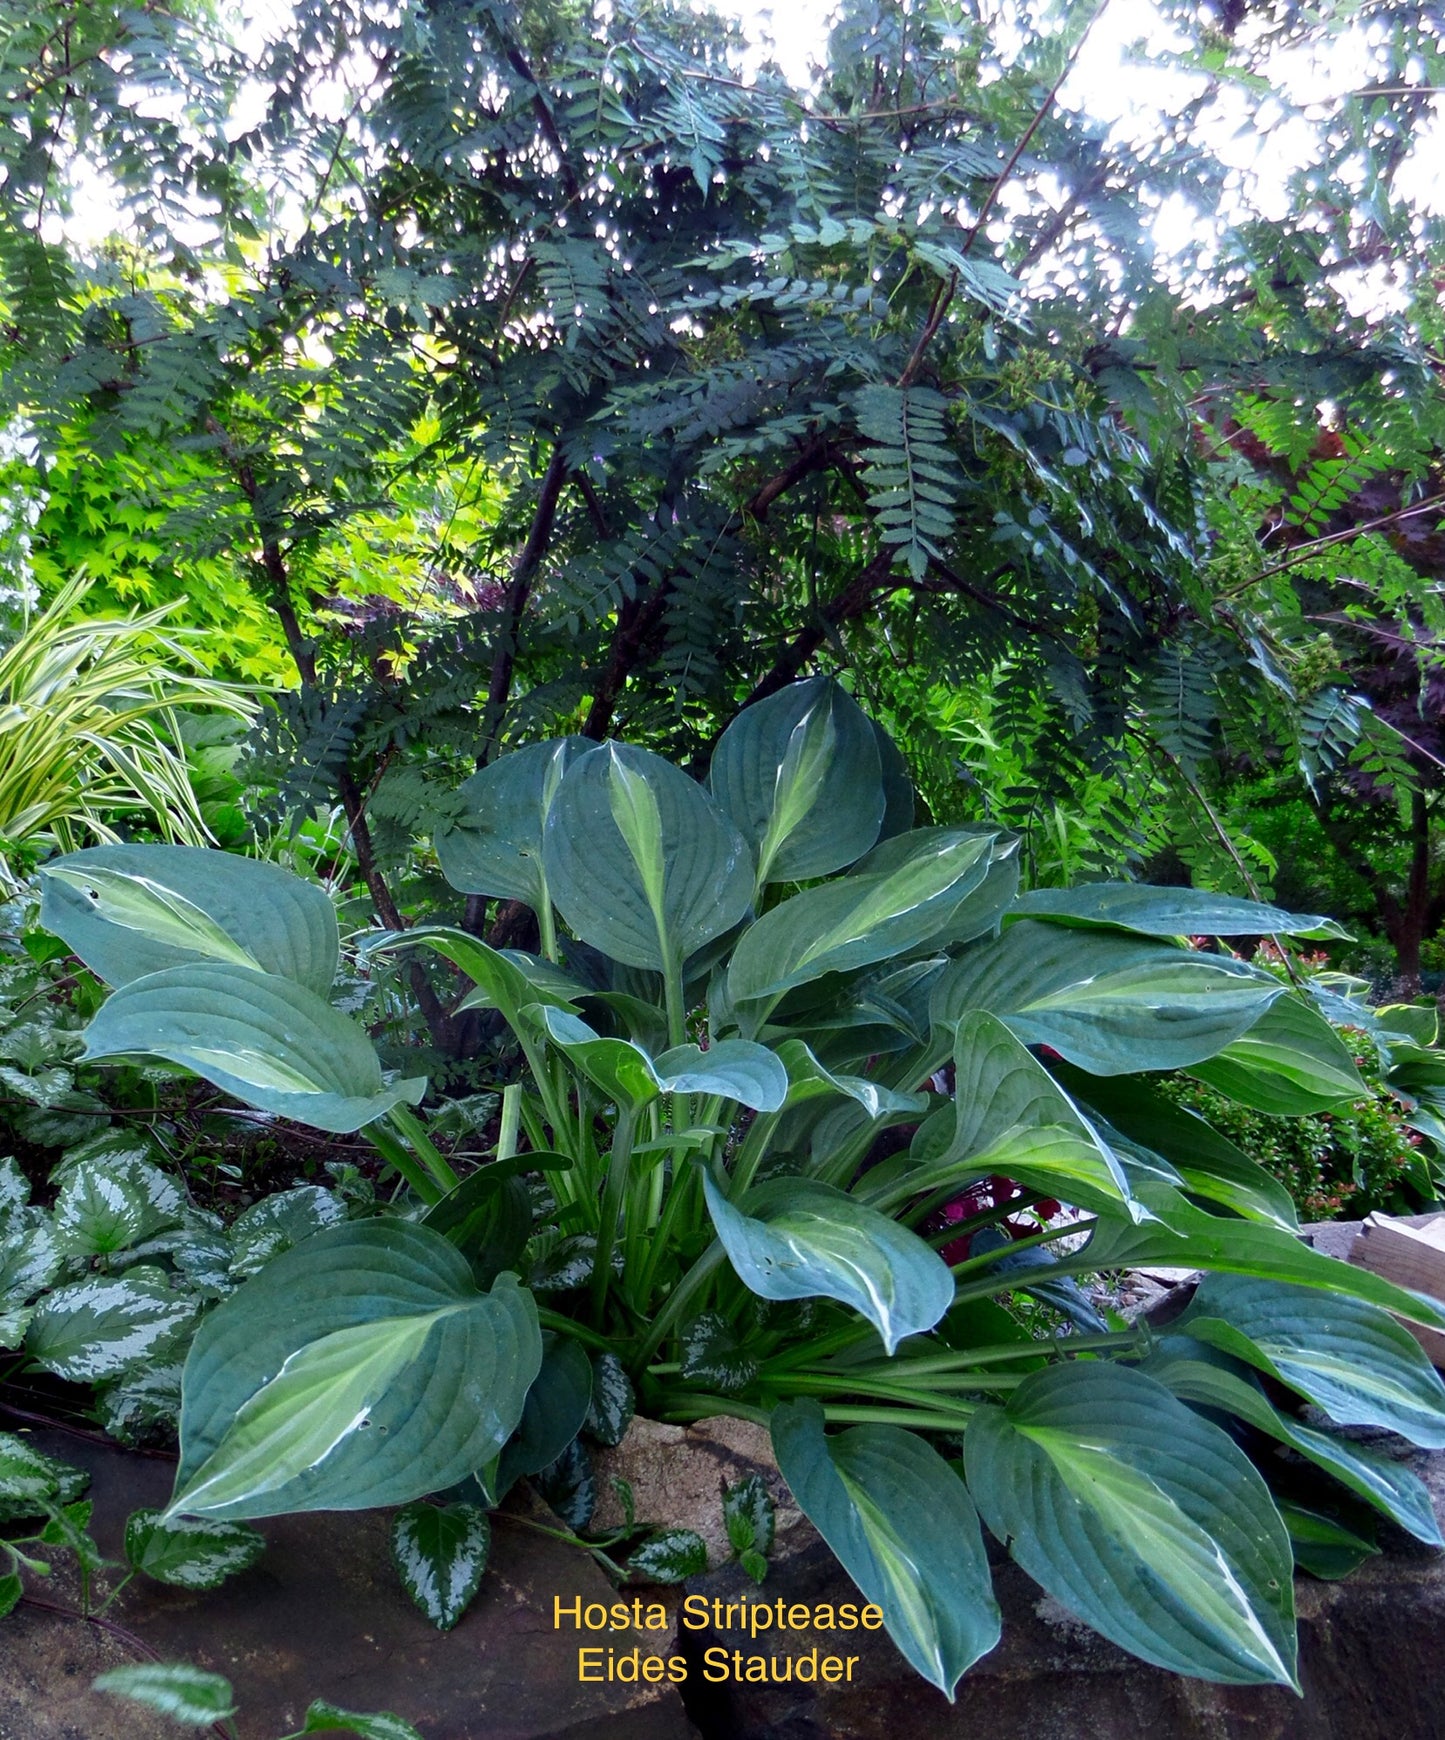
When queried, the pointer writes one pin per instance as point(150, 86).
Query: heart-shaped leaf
point(132, 910)
point(265, 1040)
point(736, 1069)
point(1168, 912)
point(640, 862)
point(1140, 1517)
point(495, 847)
point(799, 1239)
point(555, 1410)
point(105, 1206)
point(1108, 1003)
point(800, 775)
point(1344, 1355)
point(440, 1553)
point(190, 1552)
point(904, 1529)
point(362, 1368)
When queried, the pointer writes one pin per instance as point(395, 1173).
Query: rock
point(323, 1615)
point(677, 1475)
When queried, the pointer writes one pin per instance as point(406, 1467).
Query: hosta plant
point(774, 1037)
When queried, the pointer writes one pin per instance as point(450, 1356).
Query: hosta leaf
point(505, 980)
point(105, 1325)
point(1348, 1357)
point(440, 1552)
point(736, 1069)
point(190, 1552)
point(807, 1080)
point(324, 1718)
point(865, 917)
point(1198, 1373)
point(798, 1239)
point(640, 861)
point(553, 1414)
point(109, 1206)
point(360, 1369)
point(1290, 1063)
point(1108, 1003)
point(1322, 1546)
point(621, 1069)
point(1140, 1517)
point(613, 1403)
point(672, 1556)
point(185, 1693)
point(1168, 912)
point(488, 1217)
point(904, 1528)
point(131, 910)
point(266, 1041)
point(800, 775)
point(496, 846)
point(276, 1223)
point(30, 1257)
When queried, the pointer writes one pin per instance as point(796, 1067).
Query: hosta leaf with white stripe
point(440, 1552)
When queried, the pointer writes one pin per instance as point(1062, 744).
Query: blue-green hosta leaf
point(440, 1553)
point(553, 1415)
point(496, 846)
point(640, 861)
point(325, 1718)
point(1207, 1163)
point(800, 775)
point(107, 1324)
point(807, 1080)
point(621, 1069)
point(185, 1693)
point(359, 1369)
point(1108, 1003)
point(1291, 1062)
point(736, 1069)
point(109, 1206)
point(904, 1529)
point(1168, 912)
point(276, 1223)
point(981, 908)
point(488, 1217)
point(131, 910)
point(1193, 1238)
point(1346, 1356)
point(190, 1552)
point(799, 1239)
point(30, 1257)
point(1198, 1373)
point(505, 979)
point(861, 918)
point(1140, 1517)
point(900, 801)
point(266, 1041)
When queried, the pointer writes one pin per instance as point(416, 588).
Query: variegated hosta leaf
point(190, 1552)
point(109, 1206)
point(105, 1325)
point(495, 847)
point(440, 1552)
point(276, 1223)
point(903, 1526)
point(1167, 912)
point(362, 1368)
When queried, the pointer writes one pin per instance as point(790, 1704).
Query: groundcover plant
point(778, 1051)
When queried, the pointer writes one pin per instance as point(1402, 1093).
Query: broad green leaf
point(277, 1222)
point(109, 1206)
point(679, 876)
point(736, 1069)
point(359, 1369)
point(671, 1556)
point(613, 1403)
point(1420, 1023)
point(1290, 1062)
point(621, 1069)
point(1346, 1356)
point(1195, 1239)
point(496, 846)
point(326, 1718)
point(11, 1589)
point(800, 775)
point(799, 1239)
point(131, 910)
point(505, 979)
point(808, 1080)
point(1168, 912)
point(488, 1217)
point(1141, 1518)
point(184, 1693)
point(555, 1409)
point(1323, 1547)
point(864, 917)
point(30, 1257)
point(440, 1553)
point(899, 797)
point(265, 1040)
point(190, 1552)
point(1208, 1164)
point(1198, 1373)
point(902, 1525)
point(1108, 1003)
point(104, 1325)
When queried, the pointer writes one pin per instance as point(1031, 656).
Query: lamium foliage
point(689, 1210)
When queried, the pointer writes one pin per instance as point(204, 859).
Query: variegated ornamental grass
point(742, 985)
